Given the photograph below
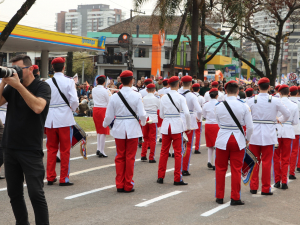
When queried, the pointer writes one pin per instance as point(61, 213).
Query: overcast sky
point(42, 13)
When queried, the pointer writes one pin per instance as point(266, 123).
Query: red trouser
point(264, 154)
point(125, 159)
point(188, 152)
point(282, 159)
point(164, 155)
point(294, 155)
point(236, 157)
point(149, 133)
point(59, 138)
point(198, 136)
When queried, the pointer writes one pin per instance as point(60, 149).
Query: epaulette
point(241, 100)
point(217, 103)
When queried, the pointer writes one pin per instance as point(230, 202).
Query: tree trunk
point(14, 21)
point(69, 64)
point(201, 56)
point(194, 32)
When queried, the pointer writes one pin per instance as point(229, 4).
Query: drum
point(79, 136)
point(250, 162)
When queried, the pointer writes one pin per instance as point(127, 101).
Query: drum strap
point(173, 102)
point(234, 117)
point(61, 94)
point(128, 106)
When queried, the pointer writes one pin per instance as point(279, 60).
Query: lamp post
point(291, 64)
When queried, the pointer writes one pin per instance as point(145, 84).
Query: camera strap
point(128, 106)
point(61, 94)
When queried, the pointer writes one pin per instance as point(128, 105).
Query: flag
point(75, 78)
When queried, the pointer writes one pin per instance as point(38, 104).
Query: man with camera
point(28, 103)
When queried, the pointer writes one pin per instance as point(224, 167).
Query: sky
point(43, 13)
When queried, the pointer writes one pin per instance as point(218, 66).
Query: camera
point(9, 71)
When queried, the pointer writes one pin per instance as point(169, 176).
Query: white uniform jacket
point(225, 97)
point(170, 115)
point(208, 111)
point(227, 125)
point(143, 92)
point(60, 114)
point(151, 105)
point(201, 101)
point(101, 96)
point(163, 91)
point(296, 127)
point(264, 118)
point(194, 108)
point(285, 130)
point(125, 123)
point(221, 97)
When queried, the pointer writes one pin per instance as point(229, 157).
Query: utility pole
point(280, 71)
point(240, 61)
point(130, 47)
point(82, 76)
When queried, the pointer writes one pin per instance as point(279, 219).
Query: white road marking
point(112, 147)
point(146, 203)
point(94, 143)
point(212, 211)
point(169, 170)
point(90, 192)
point(80, 157)
point(228, 174)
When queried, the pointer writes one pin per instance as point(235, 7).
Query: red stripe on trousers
point(125, 159)
point(198, 137)
point(236, 157)
point(149, 134)
point(264, 154)
point(58, 138)
point(282, 159)
point(164, 154)
point(187, 155)
point(294, 155)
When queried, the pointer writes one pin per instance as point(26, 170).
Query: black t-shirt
point(24, 128)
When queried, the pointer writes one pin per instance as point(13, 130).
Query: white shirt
point(3, 110)
point(60, 114)
point(296, 127)
point(116, 107)
point(151, 105)
point(225, 97)
point(208, 111)
point(100, 96)
point(221, 97)
point(167, 108)
point(143, 92)
point(265, 134)
point(163, 91)
point(201, 101)
point(242, 112)
point(286, 130)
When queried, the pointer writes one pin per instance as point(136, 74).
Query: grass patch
point(87, 123)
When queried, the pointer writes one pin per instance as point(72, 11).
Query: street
point(94, 200)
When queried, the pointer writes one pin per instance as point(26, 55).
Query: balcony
point(116, 60)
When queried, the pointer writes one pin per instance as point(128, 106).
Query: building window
point(167, 54)
point(141, 53)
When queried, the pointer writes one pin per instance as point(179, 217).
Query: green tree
point(83, 57)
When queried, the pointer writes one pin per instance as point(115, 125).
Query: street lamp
point(291, 65)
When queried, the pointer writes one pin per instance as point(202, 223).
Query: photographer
point(27, 109)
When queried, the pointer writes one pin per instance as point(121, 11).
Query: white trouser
point(211, 155)
point(101, 142)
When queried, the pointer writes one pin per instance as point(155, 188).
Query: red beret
point(173, 79)
point(148, 80)
point(230, 82)
point(58, 60)
point(149, 86)
point(283, 86)
point(102, 76)
point(213, 89)
point(126, 73)
point(120, 87)
point(35, 67)
point(196, 85)
point(249, 89)
point(277, 87)
point(215, 83)
point(165, 79)
point(293, 88)
point(160, 78)
point(186, 79)
point(263, 80)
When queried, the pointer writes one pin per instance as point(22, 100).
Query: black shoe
point(219, 200)
point(277, 185)
point(197, 152)
point(292, 177)
point(185, 173)
point(237, 202)
point(97, 152)
point(160, 180)
point(148, 147)
point(52, 182)
point(298, 169)
point(101, 155)
point(140, 145)
point(254, 192)
point(144, 159)
point(266, 193)
point(57, 159)
point(284, 186)
point(66, 184)
point(173, 155)
point(170, 154)
point(160, 140)
point(214, 168)
point(180, 183)
point(120, 190)
point(152, 161)
point(209, 165)
point(129, 191)
point(1, 178)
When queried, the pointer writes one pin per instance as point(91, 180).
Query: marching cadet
point(249, 94)
point(126, 107)
point(59, 123)
point(295, 148)
point(221, 96)
point(211, 126)
point(144, 92)
point(286, 134)
point(151, 105)
point(264, 109)
point(231, 143)
point(165, 89)
point(276, 94)
point(196, 88)
point(194, 108)
point(298, 163)
point(101, 98)
point(172, 128)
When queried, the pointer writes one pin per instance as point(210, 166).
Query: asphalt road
point(94, 200)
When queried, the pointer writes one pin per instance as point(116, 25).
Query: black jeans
point(20, 163)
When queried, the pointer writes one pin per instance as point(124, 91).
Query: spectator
point(156, 79)
point(255, 89)
point(153, 79)
point(272, 90)
point(83, 89)
point(139, 85)
point(89, 90)
point(205, 88)
point(200, 83)
point(242, 92)
point(221, 89)
point(134, 82)
point(83, 107)
point(143, 81)
point(111, 83)
point(159, 84)
point(91, 105)
point(78, 90)
point(118, 82)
